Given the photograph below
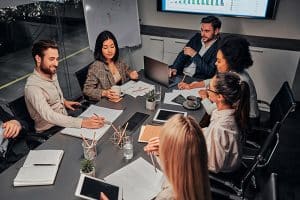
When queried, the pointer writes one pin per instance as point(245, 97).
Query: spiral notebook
point(39, 168)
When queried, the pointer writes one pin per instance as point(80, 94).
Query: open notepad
point(39, 168)
point(110, 115)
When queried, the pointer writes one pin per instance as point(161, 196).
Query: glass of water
point(157, 93)
point(128, 147)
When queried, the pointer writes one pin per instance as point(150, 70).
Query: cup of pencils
point(89, 149)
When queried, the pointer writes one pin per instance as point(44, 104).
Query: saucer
point(185, 105)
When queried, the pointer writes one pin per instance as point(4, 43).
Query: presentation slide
point(251, 8)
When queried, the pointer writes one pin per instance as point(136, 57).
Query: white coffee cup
point(116, 89)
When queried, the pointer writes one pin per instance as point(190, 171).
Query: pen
point(152, 160)
point(183, 78)
point(43, 164)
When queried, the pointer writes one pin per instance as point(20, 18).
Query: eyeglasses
point(208, 89)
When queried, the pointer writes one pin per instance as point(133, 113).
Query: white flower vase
point(91, 173)
point(150, 105)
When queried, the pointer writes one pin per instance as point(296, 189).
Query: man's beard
point(46, 70)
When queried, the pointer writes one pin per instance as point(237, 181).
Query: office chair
point(280, 107)
point(233, 185)
point(19, 109)
point(269, 190)
point(81, 76)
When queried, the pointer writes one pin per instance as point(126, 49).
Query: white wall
point(285, 25)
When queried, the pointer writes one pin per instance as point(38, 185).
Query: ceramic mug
point(192, 101)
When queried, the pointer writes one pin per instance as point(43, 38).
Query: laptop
point(159, 72)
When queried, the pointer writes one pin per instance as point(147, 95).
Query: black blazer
point(205, 65)
point(5, 116)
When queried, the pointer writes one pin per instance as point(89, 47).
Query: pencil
point(123, 134)
point(93, 142)
point(85, 141)
point(152, 160)
point(183, 78)
point(115, 129)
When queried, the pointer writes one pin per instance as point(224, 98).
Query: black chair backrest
point(282, 104)
point(19, 109)
point(81, 76)
point(270, 189)
point(264, 154)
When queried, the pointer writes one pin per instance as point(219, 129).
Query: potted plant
point(87, 167)
point(150, 100)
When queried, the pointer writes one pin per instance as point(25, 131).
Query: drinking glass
point(157, 93)
point(128, 147)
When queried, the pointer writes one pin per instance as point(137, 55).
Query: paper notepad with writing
point(109, 114)
point(39, 168)
point(149, 131)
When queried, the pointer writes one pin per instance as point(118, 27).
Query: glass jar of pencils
point(89, 149)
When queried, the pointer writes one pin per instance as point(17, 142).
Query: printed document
point(135, 89)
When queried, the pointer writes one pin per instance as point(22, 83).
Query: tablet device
point(135, 121)
point(162, 115)
point(89, 188)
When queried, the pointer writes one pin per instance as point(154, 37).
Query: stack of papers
point(138, 180)
point(135, 89)
point(39, 168)
point(172, 95)
point(110, 115)
point(148, 132)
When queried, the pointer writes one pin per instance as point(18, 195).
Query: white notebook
point(39, 168)
point(110, 115)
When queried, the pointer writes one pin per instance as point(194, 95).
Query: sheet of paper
point(109, 114)
point(169, 96)
point(138, 180)
point(135, 89)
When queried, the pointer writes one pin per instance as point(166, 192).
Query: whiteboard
point(118, 16)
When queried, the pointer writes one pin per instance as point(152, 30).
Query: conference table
point(109, 158)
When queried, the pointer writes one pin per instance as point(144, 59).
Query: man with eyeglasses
point(198, 57)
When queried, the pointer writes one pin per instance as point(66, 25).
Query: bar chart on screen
point(224, 7)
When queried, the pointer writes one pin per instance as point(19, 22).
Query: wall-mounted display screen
point(237, 8)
